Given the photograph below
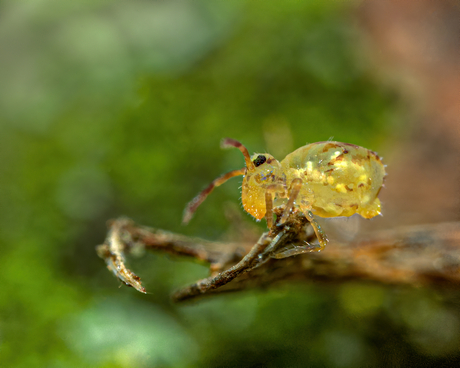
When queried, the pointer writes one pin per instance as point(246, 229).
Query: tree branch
point(419, 255)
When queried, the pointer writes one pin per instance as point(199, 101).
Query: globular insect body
point(327, 179)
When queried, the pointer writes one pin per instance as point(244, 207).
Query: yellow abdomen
point(340, 179)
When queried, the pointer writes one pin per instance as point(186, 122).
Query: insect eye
point(259, 160)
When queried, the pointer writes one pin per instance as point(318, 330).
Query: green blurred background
point(111, 108)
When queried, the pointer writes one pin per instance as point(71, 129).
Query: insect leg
point(270, 190)
point(307, 248)
point(293, 194)
point(320, 234)
point(269, 208)
point(195, 202)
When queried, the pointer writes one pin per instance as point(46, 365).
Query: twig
point(249, 262)
point(420, 255)
point(112, 251)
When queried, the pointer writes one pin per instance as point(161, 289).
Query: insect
point(325, 179)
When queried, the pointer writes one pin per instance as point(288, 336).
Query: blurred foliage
point(112, 108)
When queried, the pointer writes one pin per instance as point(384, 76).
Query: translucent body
point(339, 179)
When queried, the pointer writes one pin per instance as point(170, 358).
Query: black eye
point(259, 160)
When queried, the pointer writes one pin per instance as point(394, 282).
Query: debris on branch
point(421, 255)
